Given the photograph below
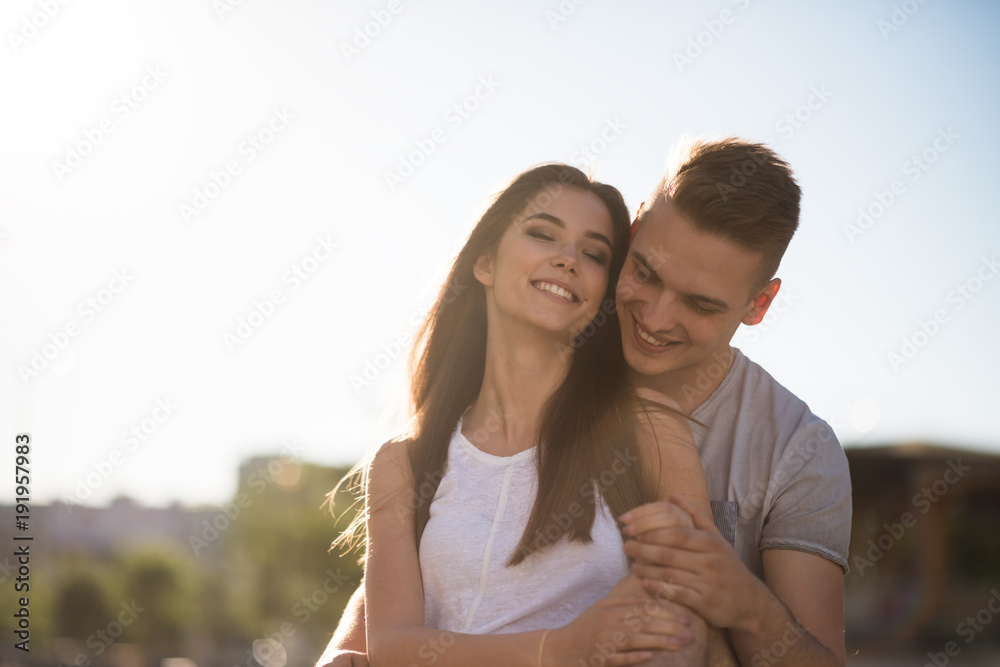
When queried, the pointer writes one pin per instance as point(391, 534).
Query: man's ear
point(761, 301)
point(483, 269)
point(635, 223)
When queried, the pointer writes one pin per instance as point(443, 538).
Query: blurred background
point(222, 221)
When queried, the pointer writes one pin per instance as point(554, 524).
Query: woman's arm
point(348, 647)
point(667, 448)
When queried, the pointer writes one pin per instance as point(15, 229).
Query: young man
point(768, 566)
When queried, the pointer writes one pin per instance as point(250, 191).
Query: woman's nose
point(566, 260)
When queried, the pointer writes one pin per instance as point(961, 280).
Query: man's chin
point(644, 363)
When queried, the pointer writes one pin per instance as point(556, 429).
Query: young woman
point(491, 532)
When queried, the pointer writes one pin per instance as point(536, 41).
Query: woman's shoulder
point(391, 454)
point(389, 469)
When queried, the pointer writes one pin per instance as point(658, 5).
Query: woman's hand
point(348, 659)
point(623, 628)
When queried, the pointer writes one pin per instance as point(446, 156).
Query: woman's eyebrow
point(597, 236)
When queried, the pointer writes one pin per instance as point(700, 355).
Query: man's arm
point(797, 612)
point(807, 593)
point(348, 647)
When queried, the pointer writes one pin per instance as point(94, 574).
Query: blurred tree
point(162, 585)
point(82, 604)
point(284, 531)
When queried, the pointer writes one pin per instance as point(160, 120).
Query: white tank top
point(477, 518)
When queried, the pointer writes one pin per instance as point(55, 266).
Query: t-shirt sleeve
point(811, 506)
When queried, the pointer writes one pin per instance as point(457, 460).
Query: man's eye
point(698, 308)
point(641, 272)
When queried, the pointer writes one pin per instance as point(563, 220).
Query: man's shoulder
point(761, 406)
point(752, 384)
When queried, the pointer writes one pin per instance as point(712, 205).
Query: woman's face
point(550, 269)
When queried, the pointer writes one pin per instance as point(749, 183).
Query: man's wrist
point(763, 611)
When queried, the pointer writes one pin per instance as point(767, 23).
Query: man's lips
point(649, 341)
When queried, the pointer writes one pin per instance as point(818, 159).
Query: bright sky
point(176, 176)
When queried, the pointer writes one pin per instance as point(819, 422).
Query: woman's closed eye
point(540, 234)
point(598, 257)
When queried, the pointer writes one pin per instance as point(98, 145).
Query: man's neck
point(691, 387)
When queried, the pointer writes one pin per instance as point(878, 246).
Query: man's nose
point(660, 316)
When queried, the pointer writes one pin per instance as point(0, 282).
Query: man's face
point(683, 293)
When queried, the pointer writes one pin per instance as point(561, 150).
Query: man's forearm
point(775, 637)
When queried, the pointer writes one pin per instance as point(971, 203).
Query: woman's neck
point(521, 374)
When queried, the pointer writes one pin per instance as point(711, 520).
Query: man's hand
point(695, 566)
point(689, 561)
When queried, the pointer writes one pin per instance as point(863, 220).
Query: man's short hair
point(738, 190)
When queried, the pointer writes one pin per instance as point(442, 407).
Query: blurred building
point(925, 551)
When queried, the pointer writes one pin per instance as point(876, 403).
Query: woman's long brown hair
point(586, 439)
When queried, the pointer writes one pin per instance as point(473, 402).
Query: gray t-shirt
point(777, 476)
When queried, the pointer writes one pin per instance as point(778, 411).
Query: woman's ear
point(483, 269)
